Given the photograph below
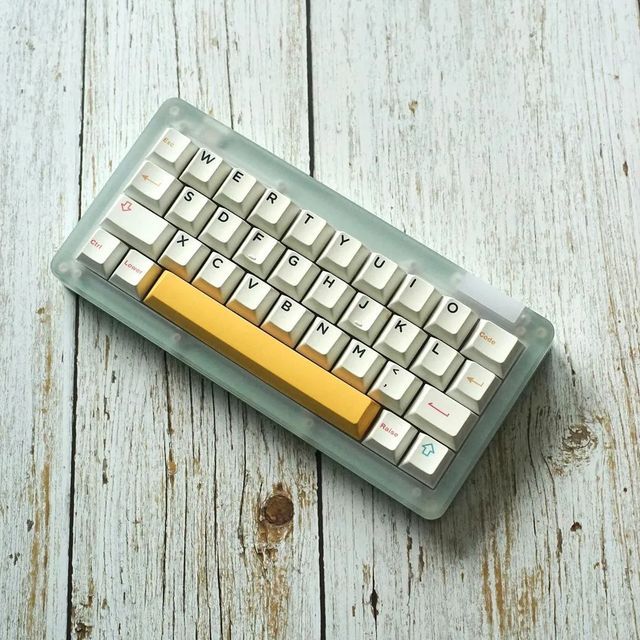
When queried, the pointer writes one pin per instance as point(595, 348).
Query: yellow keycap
point(265, 357)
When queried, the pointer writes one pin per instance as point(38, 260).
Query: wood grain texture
point(173, 477)
point(40, 120)
point(505, 136)
point(507, 140)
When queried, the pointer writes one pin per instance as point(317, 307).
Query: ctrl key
point(102, 253)
point(427, 460)
point(390, 436)
point(135, 274)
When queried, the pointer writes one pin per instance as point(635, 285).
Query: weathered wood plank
point(40, 120)
point(172, 535)
point(507, 138)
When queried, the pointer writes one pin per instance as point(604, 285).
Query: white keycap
point(451, 321)
point(102, 253)
point(252, 299)
point(474, 386)
point(294, 274)
point(492, 347)
point(239, 192)
point(308, 235)
point(400, 340)
point(135, 274)
point(287, 321)
point(441, 417)
point(154, 188)
point(437, 363)
point(225, 232)
point(379, 278)
point(359, 365)
point(364, 318)
point(329, 296)
point(427, 460)
point(184, 255)
point(191, 211)
point(173, 151)
point(323, 343)
point(138, 227)
point(415, 299)
point(395, 388)
point(206, 172)
point(390, 436)
point(218, 277)
point(343, 256)
point(274, 213)
point(259, 253)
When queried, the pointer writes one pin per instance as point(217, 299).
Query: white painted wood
point(507, 138)
point(169, 536)
point(40, 122)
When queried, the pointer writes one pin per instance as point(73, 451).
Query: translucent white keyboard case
point(533, 331)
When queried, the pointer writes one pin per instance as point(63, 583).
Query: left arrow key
point(154, 187)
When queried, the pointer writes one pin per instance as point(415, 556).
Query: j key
point(225, 232)
point(343, 256)
point(154, 187)
point(287, 321)
point(364, 318)
point(294, 274)
point(252, 299)
point(441, 417)
point(206, 172)
point(451, 321)
point(390, 436)
point(359, 365)
point(135, 274)
point(102, 253)
point(329, 296)
point(218, 277)
point(323, 343)
point(173, 151)
point(415, 299)
point(239, 192)
point(400, 340)
point(492, 347)
point(259, 253)
point(308, 235)
point(191, 211)
point(437, 363)
point(184, 255)
point(274, 213)
point(395, 388)
point(427, 460)
point(379, 278)
point(138, 227)
point(474, 386)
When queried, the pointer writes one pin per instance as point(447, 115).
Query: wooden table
point(140, 501)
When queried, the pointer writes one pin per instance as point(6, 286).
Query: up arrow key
point(428, 449)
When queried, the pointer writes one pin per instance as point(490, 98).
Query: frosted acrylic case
point(533, 331)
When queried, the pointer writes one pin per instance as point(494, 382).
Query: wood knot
point(277, 510)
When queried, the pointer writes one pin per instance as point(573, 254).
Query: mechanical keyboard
point(368, 345)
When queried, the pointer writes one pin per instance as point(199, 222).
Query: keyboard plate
point(534, 332)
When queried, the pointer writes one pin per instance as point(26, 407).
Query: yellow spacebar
point(261, 354)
